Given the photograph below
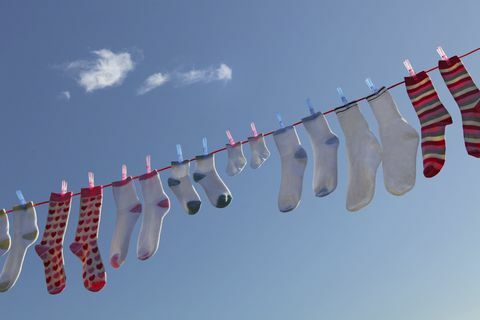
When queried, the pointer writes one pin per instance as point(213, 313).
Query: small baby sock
point(25, 233)
point(260, 152)
point(399, 143)
point(363, 153)
point(206, 175)
point(294, 161)
point(157, 205)
point(433, 119)
point(50, 249)
point(236, 159)
point(325, 145)
point(129, 209)
point(85, 246)
point(467, 96)
point(182, 187)
point(5, 240)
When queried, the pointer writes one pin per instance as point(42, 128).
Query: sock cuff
point(59, 197)
point(258, 137)
point(91, 192)
point(377, 94)
point(411, 81)
point(148, 175)
point(445, 65)
point(120, 183)
point(345, 107)
point(23, 207)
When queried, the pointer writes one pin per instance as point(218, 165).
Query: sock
point(25, 233)
point(157, 205)
point(363, 154)
point(433, 119)
point(5, 240)
point(50, 249)
point(85, 246)
point(129, 209)
point(207, 176)
point(399, 143)
point(325, 145)
point(467, 96)
point(260, 152)
point(236, 159)
point(182, 187)
point(294, 161)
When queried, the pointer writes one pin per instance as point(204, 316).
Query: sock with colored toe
point(363, 154)
point(156, 207)
point(25, 233)
point(467, 96)
point(85, 246)
point(50, 249)
point(433, 119)
point(293, 160)
point(236, 159)
point(182, 187)
point(399, 143)
point(325, 145)
point(129, 209)
point(5, 240)
point(207, 176)
point(259, 150)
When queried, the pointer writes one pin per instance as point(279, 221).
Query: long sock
point(207, 176)
point(399, 143)
point(50, 249)
point(5, 240)
point(85, 246)
point(363, 154)
point(236, 159)
point(433, 119)
point(325, 145)
point(157, 205)
point(294, 161)
point(25, 233)
point(129, 209)
point(259, 151)
point(182, 187)
point(467, 96)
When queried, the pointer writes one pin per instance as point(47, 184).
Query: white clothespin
point(124, 172)
point(64, 188)
point(148, 163)
point(409, 67)
point(442, 54)
point(91, 179)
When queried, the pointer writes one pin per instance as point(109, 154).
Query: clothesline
point(265, 134)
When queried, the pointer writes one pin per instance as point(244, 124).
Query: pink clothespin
point(442, 54)
point(409, 67)
point(254, 129)
point(91, 179)
point(64, 187)
point(124, 172)
point(230, 137)
point(148, 162)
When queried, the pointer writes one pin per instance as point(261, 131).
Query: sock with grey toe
point(182, 187)
point(260, 152)
point(5, 240)
point(236, 158)
point(207, 176)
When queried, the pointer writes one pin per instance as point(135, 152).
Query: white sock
point(182, 187)
point(207, 176)
point(399, 143)
point(236, 159)
point(363, 153)
point(5, 240)
point(156, 206)
point(128, 211)
point(294, 161)
point(25, 233)
point(325, 145)
point(260, 152)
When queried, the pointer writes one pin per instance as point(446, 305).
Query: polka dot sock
point(259, 151)
point(182, 187)
point(5, 240)
point(236, 159)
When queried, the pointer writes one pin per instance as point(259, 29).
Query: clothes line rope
point(265, 134)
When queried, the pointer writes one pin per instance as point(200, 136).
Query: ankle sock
point(236, 159)
point(259, 151)
point(182, 187)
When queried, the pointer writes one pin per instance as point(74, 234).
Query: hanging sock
point(363, 154)
point(129, 209)
point(85, 246)
point(157, 205)
point(433, 119)
point(259, 150)
point(182, 187)
point(25, 233)
point(325, 145)
point(294, 161)
point(50, 249)
point(207, 176)
point(467, 96)
point(399, 143)
point(5, 240)
point(236, 158)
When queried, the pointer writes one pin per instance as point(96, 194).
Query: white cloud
point(64, 95)
point(108, 69)
point(224, 72)
point(221, 73)
point(152, 82)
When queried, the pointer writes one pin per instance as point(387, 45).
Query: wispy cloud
point(64, 95)
point(152, 82)
point(220, 73)
point(106, 70)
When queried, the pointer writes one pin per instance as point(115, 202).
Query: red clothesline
point(268, 133)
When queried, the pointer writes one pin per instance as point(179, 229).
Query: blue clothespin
point(179, 153)
point(342, 96)
point(205, 146)
point(280, 121)
point(371, 85)
point(21, 198)
point(309, 106)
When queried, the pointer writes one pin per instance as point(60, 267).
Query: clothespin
point(124, 172)
point(280, 120)
point(21, 198)
point(148, 163)
point(91, 179)
point(205, 146)
point(64, 188)
point(310, 107)
point(179, 153)
point(371, 85)
point(254, 129)
point(409, 68)
point(342, 96)
point(442, 53)
point(230, 138)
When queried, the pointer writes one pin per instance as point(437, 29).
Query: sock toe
point(223, 200)
point(4, 286)
point(115, 261)
point(430, 171)
point(323, 192)
point(144, 255)
point(96, 286)
point(193, 206)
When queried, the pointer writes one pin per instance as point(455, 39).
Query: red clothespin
point(124, 172)
point(254, 129)
point(230, 138)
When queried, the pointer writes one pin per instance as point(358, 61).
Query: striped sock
point(433, 119)
point(467, 96)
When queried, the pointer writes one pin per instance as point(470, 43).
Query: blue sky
point(410, 257)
